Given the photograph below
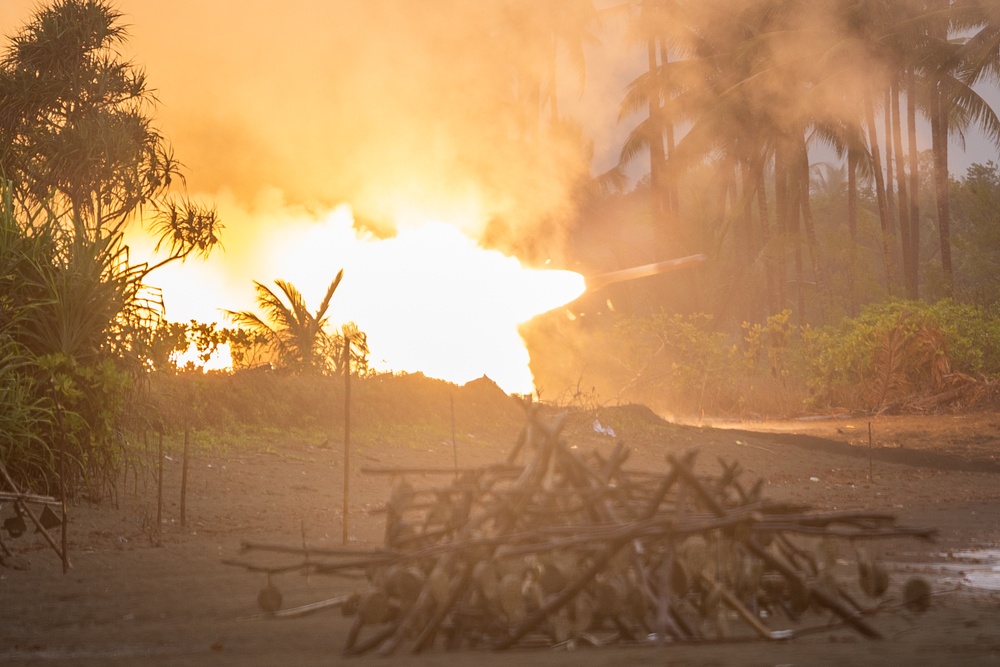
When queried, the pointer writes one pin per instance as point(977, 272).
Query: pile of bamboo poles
point(562, 549)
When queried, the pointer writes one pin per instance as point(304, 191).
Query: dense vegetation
point(79, 158)
point(811, 298)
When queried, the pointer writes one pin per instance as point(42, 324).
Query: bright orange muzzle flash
point(430, 299)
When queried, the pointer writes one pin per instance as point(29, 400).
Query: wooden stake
point(454, 444)
point(184, 472)
point(870, 477)
point(347, 434)
point(64, 538)
point(159, 486)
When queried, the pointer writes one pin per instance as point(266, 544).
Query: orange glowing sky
point(284, 113)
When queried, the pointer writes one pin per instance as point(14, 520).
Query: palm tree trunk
point(852, 228)
point(795, 229)
point(656, 154)
point(890, 198)
point(765, 236)
point(781, 225)
point(939, 147)
point(807, 222)
point(671, 195)
point(909, 271)
point(880, 195)
point(911, 121)
point(746, 236)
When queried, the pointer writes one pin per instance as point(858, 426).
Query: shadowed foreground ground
point(130, 601)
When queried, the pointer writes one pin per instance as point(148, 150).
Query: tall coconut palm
point(296, 336)
point(951, 64)
point(531, 36)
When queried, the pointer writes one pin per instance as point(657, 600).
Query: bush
point(901, 348)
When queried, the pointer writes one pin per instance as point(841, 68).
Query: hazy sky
point(381, 103)
point(376, 102)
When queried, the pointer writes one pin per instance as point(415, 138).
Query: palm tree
point(296, 337)
point(951, 65)
point(532, 36)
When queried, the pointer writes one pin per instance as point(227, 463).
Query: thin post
point(347, 433)
point(454, 443)
point(870, 476)
point(159, 486)
point(184, 471)
point(64, 537)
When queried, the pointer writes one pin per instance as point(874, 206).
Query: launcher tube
point(632, 273)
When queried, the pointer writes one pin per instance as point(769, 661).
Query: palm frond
point(325, 304)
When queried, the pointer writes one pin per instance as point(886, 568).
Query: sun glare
point(220, 360)
point(430, 299)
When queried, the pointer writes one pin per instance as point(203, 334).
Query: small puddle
point(976, 568)
point(972, 570)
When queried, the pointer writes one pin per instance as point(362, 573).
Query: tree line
point(737, 99)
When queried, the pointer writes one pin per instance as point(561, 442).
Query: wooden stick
point(320, 551)
point(426, 636)
point(184, 472)
point(31, 498)
point(454, 442)
point(789, 573)
point(64, 523)
point(347, 436)
point(159, 486)
point(34, 519)
point(368, 470)
point(747, 615)
point(303, 610)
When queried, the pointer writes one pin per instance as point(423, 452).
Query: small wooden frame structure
point(23, 507)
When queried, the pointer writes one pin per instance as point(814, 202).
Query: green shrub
point(901, 348)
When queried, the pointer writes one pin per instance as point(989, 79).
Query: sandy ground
point(136, 598)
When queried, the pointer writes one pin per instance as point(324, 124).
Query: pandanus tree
point(81, 160)
point(77, 135)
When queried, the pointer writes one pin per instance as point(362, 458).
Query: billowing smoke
point(407, 111)
point(427, 110)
